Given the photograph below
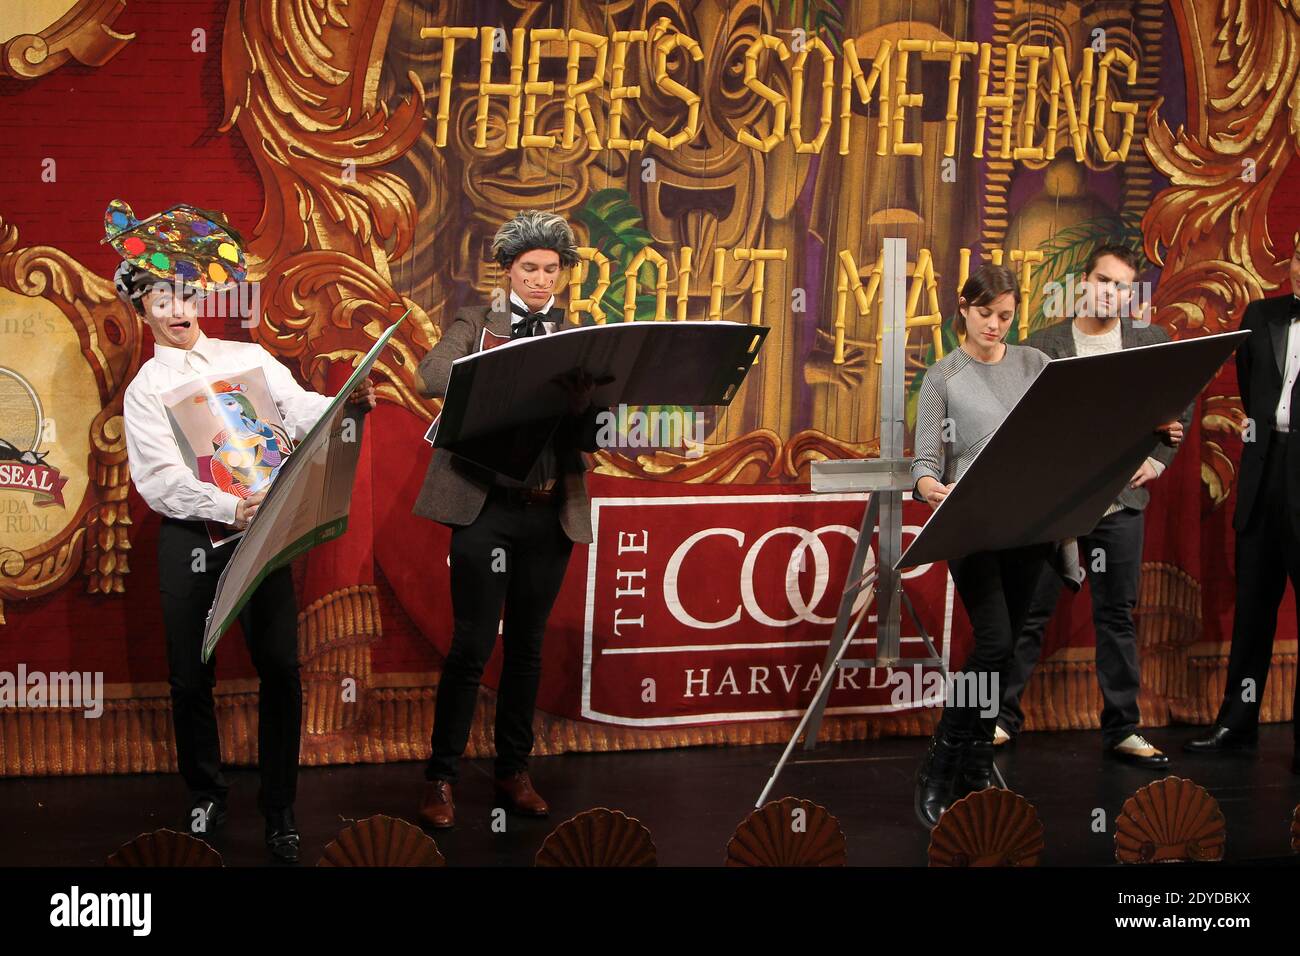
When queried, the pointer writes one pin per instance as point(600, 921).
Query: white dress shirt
point(1289, 376)
point(157, 467)
point(516, 319)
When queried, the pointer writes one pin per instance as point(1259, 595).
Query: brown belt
point(528, 496)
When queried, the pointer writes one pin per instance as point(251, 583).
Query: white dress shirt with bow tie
point(159, 471)
point(516, 319)
point(548, 468)
point(1289, 374)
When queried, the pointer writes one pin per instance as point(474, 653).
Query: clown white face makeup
point(533, 276)
point(174, 320)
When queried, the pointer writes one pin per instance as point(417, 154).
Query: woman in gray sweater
point(964, 398)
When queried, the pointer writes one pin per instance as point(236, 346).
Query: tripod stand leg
point(840, 636)
point(815, 707)
point(916, 622)
point(889, 581)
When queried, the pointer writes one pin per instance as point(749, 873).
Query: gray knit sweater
point(972, 398)
point(961, 405)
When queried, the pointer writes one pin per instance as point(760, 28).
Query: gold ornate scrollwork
point(1209, 228)
point(756, 458)
point(90, 344)
point(300, 85)
point(1221, 415)
point(750, 459)
point(324, 306)
point(82, 34)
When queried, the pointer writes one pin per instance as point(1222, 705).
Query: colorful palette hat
point(183, 242)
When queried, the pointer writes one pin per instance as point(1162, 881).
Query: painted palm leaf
point(615, 227)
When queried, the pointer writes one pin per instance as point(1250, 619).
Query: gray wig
point(534, 229)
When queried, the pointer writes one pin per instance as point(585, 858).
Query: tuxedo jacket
point(1261, 364)
point(1057, 341)
point(455, 489)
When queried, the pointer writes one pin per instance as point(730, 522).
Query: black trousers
point(513, 555)
point(1268, 552)
point(996, 588)
point(1117, 539)
point(188, 570)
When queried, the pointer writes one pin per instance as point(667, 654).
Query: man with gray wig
point(510, 540)
point(535, 229)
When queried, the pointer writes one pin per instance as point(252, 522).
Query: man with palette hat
point(1267, 519)
point(170, 261)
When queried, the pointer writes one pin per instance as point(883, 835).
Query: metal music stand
point(884, 479)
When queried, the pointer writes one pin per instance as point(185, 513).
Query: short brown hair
point(1123, 253)
point(985, 284)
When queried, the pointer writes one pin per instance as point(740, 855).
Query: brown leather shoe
point(516, 793)
point(436, 807)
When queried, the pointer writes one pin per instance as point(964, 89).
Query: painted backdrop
point(735, 160)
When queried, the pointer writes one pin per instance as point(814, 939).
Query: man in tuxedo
point(511, 540)
point(1267, 519)
point(1112, 551)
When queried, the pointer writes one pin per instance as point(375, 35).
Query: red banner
point(719, 608)
point(41, 480)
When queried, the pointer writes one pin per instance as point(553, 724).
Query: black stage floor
point(690, 799)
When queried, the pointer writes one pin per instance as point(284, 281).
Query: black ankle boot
point(282, 837)
point(935, 779)
point(976, 769)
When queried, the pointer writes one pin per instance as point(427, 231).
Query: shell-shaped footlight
point(788, 832)
point(1170, 821)
point(164, 848)
point(988, 828)
point(599, 837)
point(382, 841)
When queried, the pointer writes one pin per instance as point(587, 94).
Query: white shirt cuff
point(228, 504)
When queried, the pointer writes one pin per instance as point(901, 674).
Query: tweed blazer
point(455, 489)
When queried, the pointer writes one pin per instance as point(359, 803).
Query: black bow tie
point(529, 323)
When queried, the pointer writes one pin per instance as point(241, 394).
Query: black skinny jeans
point(996, 588)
